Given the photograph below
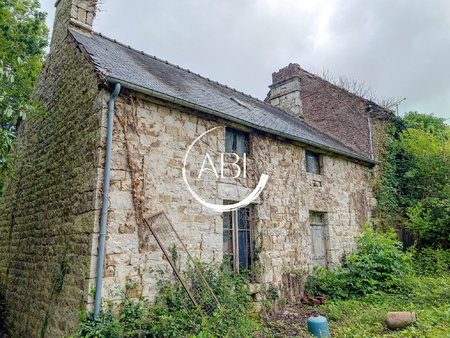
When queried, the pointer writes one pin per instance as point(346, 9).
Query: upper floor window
point(316, 218)
point(313, 162)
point(236, 141)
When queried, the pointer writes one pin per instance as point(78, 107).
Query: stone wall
point(286, 95)
point(150, 141)
point(49, 207)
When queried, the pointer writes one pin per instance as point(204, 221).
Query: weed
point(173, 314)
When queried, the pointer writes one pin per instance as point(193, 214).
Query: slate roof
point(120, 63)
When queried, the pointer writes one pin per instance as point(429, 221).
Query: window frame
point(234, 134)
point(249, 238)
point(321, 213)
point(318, 156)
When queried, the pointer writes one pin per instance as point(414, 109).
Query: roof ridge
point(186, 70)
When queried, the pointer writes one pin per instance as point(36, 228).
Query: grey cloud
point(399, 48)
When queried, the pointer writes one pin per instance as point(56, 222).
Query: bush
point(332, 283)
point(173, 314)
point(430, 220)
point(378, 264)
point(432, 262)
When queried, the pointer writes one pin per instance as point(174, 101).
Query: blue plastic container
point(318, 326)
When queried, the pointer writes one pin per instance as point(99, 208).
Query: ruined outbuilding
point(356, 121)
point(318, 194)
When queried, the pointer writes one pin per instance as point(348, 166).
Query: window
point(313, 162)
point(318, 238)
point(316, 218)
point(237, 239)
point(236, 141)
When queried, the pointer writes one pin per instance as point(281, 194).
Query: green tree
point(429, 216)
point(417, 120)
point(23, 38)
point(414, 189)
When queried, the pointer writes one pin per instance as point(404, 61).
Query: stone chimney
point(74, 14)
point(285, 90)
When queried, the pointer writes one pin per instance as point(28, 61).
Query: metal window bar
point(197, 288)
point(228, 240)
point(239, 240)
point(251, 225)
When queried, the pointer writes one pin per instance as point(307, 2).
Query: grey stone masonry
point(286, 95)
point(75, 14)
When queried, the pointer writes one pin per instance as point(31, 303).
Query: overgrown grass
point(378, 277)
point(429, 297)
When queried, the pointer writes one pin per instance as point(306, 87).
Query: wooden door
point(319, 247)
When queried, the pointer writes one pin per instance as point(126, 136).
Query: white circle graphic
point(220, 207)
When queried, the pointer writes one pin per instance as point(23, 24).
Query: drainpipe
point(370, 136)
point(106, 179)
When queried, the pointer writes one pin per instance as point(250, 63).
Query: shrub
point(432, 262)
point(430, 219)
point(332, 283)
point(378, 264)
point(105, 325)
point(173, 314)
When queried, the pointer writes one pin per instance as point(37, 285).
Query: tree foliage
point(23, 37)
point(414, 190)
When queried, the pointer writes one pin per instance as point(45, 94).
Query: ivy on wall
point(414, 189)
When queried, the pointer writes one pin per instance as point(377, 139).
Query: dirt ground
point(290, 321)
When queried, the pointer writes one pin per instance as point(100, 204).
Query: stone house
point(318, 193)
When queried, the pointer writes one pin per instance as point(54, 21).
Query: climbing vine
point(44, 324)
point(59, 272)
point(128, 123)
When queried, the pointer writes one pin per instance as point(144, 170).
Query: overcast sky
point(398, 48)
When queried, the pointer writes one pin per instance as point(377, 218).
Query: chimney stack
point(74, 14)
point(285, 90)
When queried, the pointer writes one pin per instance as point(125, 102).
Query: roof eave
point(188, 104)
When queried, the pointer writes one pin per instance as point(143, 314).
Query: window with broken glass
point(313, 162)
point(238, 240)
point(236, 141)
